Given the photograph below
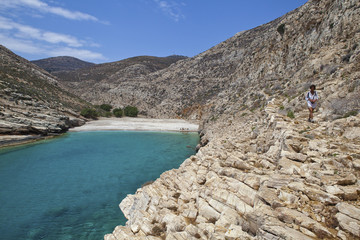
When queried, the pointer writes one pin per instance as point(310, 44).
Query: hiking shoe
point(312, 121)
point(309, 120)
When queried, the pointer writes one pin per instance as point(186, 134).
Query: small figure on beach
point(311, 99)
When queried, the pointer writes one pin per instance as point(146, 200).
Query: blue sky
point(111, 30)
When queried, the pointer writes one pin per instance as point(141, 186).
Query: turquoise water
point(70, 187)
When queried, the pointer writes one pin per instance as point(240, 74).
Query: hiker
point(311, 98)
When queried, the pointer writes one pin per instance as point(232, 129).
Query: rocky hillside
point(268, 177)
point(263, 171)
point(97, 83)
point(59, 64)
point(313, 44)
point(31, 101)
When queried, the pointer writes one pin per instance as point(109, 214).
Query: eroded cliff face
point(262, 175)
point(31, 102)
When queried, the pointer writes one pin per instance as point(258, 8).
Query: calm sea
point(70, 187)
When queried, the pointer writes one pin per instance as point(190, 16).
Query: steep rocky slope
point(58, 64)
point(259, 174)
point(96, 83)
point(267, 178)
point(31, 103)
point(315, 43)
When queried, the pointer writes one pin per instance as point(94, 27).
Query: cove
point(70, 187)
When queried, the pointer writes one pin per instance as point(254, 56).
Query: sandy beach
point(138, 124)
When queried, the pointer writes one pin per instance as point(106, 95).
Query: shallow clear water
point(70, 187)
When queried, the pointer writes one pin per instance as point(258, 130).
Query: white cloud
point(171, 9)
point(19, 45)
point(46, 8)
point(28, 32)
point(36, 49)
point(58, 38)
point(30, 40)
point(27, 39)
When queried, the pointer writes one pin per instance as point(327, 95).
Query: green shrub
point(131, 111)
point(351, 113)
point(213, 118)
point(108, 114)
point(106, 107)
point(282, 107)
point(118, 112)
point(281, 29)
point(89, 113)
point(102, 113)
point(290, 114)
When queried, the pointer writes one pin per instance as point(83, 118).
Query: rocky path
point(278, 178)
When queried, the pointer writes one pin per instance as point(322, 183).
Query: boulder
point(292, 216)
point(348, 224)
point(299, 157)
point(321, 196)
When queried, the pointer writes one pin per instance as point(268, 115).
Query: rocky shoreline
point(17, 130)
point(14, 140)
point(269, 178)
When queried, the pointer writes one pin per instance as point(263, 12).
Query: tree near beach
point(89, 113)
point(118, 112)
point(106, 107)
point(131, 111)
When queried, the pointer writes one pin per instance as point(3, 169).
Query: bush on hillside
point(106, 107)
point(107, 114)
point(131, 111)
point(290, 114)
point(89, 113)
point(118, 112)
point(351, 113)
point(281, 29)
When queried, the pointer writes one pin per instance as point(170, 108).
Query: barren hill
point(31, 100)
point(97, 80)
point(64, 63)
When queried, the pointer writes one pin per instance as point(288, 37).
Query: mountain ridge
point(107, 69)
point(95, 79)
point(61, 63)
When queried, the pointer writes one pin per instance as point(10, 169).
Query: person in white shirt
point(311, 99)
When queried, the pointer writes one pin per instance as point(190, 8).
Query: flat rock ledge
point(273, 178)
point(11, 140)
